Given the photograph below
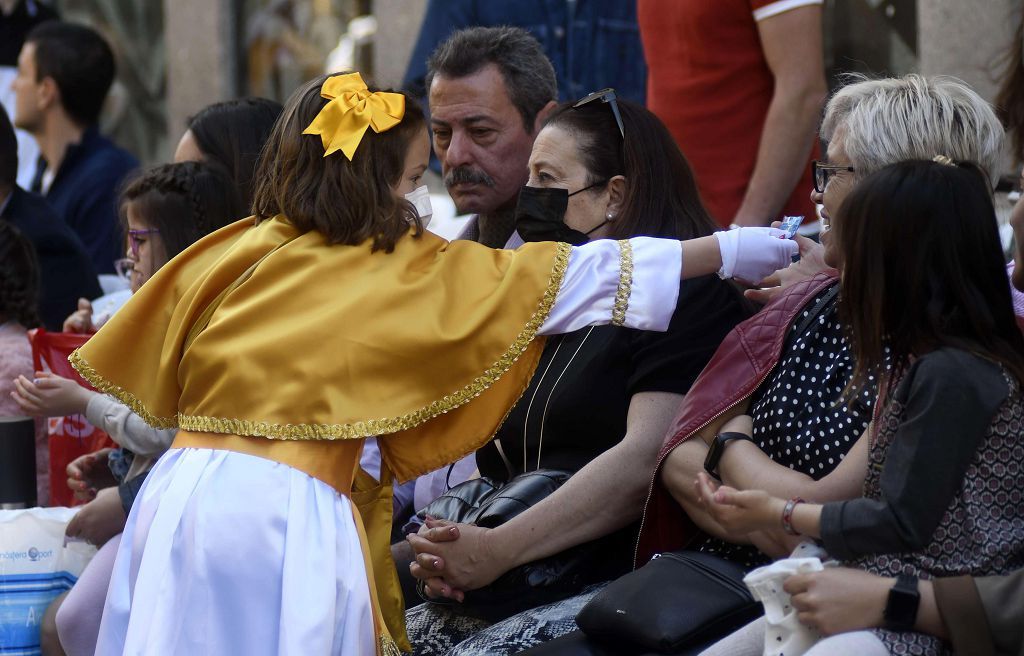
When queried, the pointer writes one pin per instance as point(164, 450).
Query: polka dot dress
point(800, 419)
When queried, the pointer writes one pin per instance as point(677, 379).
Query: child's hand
point(50, 395)
point(89, 473)
point(80, 321)
point(99, 520)
point(738, 511)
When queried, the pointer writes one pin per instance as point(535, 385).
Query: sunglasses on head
point(605, 96)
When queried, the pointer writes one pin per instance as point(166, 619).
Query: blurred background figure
point(592, 44)
point(741, 87)
point(17, 18)
point(65, 269)
point(64, 73)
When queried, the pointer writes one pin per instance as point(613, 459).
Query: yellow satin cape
point(427, 347)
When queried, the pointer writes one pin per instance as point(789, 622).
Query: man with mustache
point(490, 89)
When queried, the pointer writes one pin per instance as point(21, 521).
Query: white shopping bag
point(35, 566)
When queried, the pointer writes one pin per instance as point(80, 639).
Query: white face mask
point(420, 199)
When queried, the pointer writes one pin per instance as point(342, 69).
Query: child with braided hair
point(164, 211)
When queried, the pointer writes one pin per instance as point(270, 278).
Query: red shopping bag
point(69, 436)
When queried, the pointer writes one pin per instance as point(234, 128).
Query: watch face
point(901, 609)
point(714, 454)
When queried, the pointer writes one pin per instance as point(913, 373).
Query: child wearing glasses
point(164, 210)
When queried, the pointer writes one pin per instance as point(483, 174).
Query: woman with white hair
point(799, 433)
point(796, 431)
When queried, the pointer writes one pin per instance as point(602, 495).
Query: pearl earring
point(610, 216)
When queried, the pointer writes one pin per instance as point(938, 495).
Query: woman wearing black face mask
point(601, 399)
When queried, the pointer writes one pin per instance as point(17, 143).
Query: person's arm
point(639, 275)
point(982, 615)
point(841, 599)
point(792, 46)
point(678, 473)
point(601, 498)
point(746, 467)
point(127, 428)
point(949, 399)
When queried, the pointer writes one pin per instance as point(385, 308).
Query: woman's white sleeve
point(632, 282)
point(127, 428)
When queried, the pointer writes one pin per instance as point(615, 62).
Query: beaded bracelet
point(787, 516)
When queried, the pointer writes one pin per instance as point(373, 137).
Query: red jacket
point(742, 362)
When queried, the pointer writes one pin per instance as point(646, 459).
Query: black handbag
point(489, 503)
point(679, 599)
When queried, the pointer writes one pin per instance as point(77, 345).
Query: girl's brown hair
point(923, 269)
point(348, 202)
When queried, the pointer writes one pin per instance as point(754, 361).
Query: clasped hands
point(453, 558)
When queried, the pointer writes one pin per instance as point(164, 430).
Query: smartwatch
point(718, 448)
point(901, 608)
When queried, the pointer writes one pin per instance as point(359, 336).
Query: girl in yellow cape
point(279, 343)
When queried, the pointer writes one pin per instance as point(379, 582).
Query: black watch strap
point(718, 448)
point(901, 608)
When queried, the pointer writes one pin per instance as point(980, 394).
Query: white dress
point(226, 553)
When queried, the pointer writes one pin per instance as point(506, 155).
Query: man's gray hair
point(913, 117)
point(526, 70)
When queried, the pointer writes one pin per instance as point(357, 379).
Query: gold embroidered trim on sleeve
point(359, 429)
point(122, 395)
point(625, 283)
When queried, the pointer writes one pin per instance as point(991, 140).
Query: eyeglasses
point(124, 267)
point(605, 96)
point(822, 173)
point(134, 241)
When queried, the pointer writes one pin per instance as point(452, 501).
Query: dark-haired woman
point(943, 493)
point(230, 133)
point(165, 210)
point(19, 291)
point(602, 397)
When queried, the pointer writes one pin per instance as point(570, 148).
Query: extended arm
point(127, 428)
point(642, 271)
point(792, 45)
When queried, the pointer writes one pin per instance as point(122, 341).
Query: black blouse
point(575, 406)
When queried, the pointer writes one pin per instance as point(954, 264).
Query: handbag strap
point(812, 316)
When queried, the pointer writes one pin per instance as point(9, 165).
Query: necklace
point(551, 393)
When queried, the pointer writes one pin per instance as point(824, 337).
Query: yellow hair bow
point(342, 122)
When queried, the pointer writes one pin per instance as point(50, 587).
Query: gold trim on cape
point(625, 283)
point(103, 385)
point(371, 427)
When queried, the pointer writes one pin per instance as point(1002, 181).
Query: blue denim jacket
point(592, 44)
